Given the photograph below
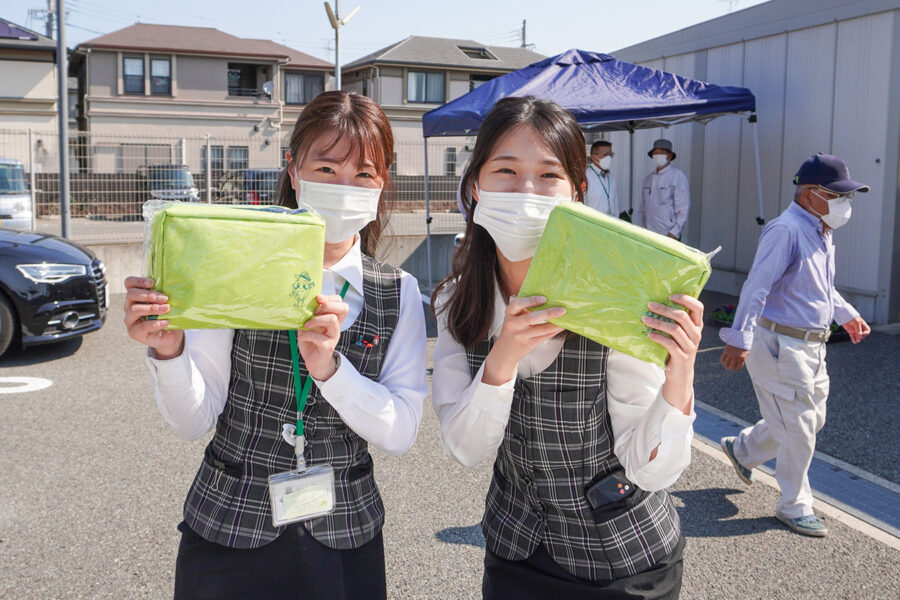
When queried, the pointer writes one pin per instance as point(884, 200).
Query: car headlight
point(51, 272)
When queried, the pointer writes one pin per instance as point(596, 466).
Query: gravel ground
point(92, 483)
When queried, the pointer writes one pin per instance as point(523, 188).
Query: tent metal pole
point(761, 219)
point(428, 220)
point(631, 166)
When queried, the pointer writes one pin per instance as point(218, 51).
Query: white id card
point(301, 495)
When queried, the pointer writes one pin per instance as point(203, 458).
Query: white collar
point(349, 267)
point(499, 311)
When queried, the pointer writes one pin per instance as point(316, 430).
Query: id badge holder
point(301, 494)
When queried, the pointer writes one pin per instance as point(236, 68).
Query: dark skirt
point(294, 566)
point(539, 577)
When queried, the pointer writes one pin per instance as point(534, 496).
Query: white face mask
point(345, 208)
point(839, 211)
point(605, 162)
point(660, 160)
point(515, 221)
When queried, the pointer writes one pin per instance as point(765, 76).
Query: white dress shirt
point(191, 389)
point(601, 193)
point(473, 414)
point(665, 201)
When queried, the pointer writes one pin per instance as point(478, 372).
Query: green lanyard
point(302, 391)
point(600, 177)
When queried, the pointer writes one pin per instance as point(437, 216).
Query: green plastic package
point(236, 267)
point(604, 271)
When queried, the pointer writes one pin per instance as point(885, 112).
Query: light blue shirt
point(791, 281)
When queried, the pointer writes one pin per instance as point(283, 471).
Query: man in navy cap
point(780, 328)
point(665, 195)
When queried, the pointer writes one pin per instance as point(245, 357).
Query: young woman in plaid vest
point(559, 412)
point(365, 353)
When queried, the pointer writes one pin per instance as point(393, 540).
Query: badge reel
point(301, 494)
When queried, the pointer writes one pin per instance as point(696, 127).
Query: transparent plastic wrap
point(604, 271)
point(234, 267)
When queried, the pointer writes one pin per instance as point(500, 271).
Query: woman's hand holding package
point(682, 342)
point(320, 335)
point(522, 332)
point(141, 301)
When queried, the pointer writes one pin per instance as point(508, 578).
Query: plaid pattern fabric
point(557, 441)
point(228, 502)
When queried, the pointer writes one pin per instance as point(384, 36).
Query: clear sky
point(552, 25)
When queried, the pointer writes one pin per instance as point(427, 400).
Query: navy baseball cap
point(830, 172)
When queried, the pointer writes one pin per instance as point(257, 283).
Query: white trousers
point(791, 385)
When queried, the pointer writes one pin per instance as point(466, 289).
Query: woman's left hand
point(682, 342)
point(317, 340)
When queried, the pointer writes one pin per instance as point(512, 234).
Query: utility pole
point(49, 18)
point(47, 15)
point(334, 17)
point(524, 44)
point(62, 103)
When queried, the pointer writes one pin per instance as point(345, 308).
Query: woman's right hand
point(141, 301)
point(522, 332)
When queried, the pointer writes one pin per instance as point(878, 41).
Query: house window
point(301, 88)
point(133, 69)
point(216, 161)
point(393, 169)
point(478, 53)
point(135, 156)
point(284, 156)
point(450, 161)
point(161, 76)
point(476, 81)
point(242, 80)
point(237, 158)
point(425, 87)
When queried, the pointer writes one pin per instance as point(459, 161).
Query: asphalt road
point(863, 411)
point(92, 483)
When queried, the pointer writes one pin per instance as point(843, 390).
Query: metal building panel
point(808, 99)
point(721, 161)
point(861, 104)
point(764, 75)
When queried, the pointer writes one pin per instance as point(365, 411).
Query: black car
point(50, 289)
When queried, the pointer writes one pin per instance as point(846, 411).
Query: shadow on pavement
point(470, 535)
point(707, 513)
point(35, 355)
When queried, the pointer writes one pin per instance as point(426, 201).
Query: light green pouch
point(604, 271)
point(236, 267)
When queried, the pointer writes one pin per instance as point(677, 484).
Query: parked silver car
point(15, 201)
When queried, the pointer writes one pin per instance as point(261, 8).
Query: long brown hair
point(470, 307)
point(368, 131)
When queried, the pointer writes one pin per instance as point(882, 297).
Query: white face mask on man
point(515, 220)
point(660, 160)
point(605, 163)
point(346, 209)
point(839, 210)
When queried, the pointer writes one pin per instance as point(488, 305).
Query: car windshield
point(12, 179)
point(170, 178)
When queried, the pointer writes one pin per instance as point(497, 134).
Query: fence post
point(208, 171)
point(31, 177)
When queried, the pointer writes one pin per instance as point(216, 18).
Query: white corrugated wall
point(824, 88)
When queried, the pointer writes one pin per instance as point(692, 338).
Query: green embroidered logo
point(303, 283)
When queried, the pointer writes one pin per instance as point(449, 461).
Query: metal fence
point(111, 176)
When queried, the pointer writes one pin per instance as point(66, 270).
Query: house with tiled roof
point(419, 73)
point(176, 81)
point(28, 78)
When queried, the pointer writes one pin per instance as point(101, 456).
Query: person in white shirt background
point(365, 352)
point(665, 195)
point(601, 193)
point(560, 412)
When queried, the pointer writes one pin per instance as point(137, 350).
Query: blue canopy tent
point(604, 94)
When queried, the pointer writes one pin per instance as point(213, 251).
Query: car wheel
point(7, 324)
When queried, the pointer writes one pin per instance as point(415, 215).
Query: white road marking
point(20, 385)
